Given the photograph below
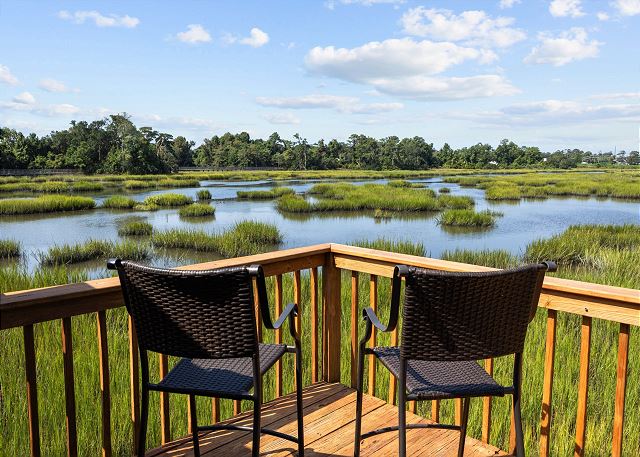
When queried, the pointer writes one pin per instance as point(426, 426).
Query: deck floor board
point(329, 413)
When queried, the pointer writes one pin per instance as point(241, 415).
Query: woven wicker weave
point(193, 314)
point(468, 316)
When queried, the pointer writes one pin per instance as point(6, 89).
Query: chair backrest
point(192, 314)
point(468, 316)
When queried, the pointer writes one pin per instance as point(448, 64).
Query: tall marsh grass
point(169, 199)
point(119, 202)
point(203, 194)
point(9, 249)
point(197, 210)
point(467, 218)
point(135, 228)
point(45, 204)
point(93, 250)
point(271, 194)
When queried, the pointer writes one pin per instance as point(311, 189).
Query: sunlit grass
point(169, 199)
point(135, 228)
point(197, 210)
point(45, 204)
point(9, 249)
point(119, 202)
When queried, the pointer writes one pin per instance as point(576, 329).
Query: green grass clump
point(244, 238)
point(45, 204)
point(197, 210)
point(86, 186)
point(134, 184)
point(294, 204)
point(203, 194)
point(93, 249)
point(276, 192)
point(500, 192)
point(146, 207)
point(9, 249)
point(171, 182)
point(119, 202)
point(168, 200)
point(398, 246)
point(135, 228)
point(467, 218)
point(444, 190)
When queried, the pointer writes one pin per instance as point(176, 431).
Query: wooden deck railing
point(328, 264)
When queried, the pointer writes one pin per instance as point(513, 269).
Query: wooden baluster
point(105, 393)
point(413, 406)
point(189, 413)
point(435, 410)
point(165, 418)
point(512, 432)
point(373, 302)
point(278, 335)
point(237, 407)
point(355, 300)
point(297, 299)
point(215, 410)
point(331, 285)
point(621, 389)
point(314, 324)
point(392, 378)
point(486, 406)
point(256, 304)
point(134, 383)
point(583, 387)
point(32, 390)
point(547, 387)
point(69, 388)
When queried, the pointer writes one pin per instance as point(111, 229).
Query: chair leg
point(517, 415)
point(144, 415)
point(255, 446)
point(194, 425)
point(463, 425)
point(402, 418)
point(299, 406)
point(359, 390)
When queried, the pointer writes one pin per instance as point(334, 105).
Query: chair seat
point(431, 380)
point(219, 377)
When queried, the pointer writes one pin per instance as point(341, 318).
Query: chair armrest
point(290, 310)
point(369, 314)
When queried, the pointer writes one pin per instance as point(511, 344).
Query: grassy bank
point(615, 184)
point(203, 194)
point(45, 204)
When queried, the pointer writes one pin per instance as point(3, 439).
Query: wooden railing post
point(103, 352)
point(355, 300)
point(332, 281)
point(373, 302)
point(314, 324)
point(547, 387)
point(583, 387)
point(486, 406)
point(134, 383)
point(278, 336)
point(621, 389)
point(69, 388)
point(165, 417)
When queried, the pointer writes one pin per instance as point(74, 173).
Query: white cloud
point(406, 68)
point(469, 27)
point(391, 59)
point(617, 96)
point(569, 46)
point(627, 7)
point(256, 38)
point(340, 103)
point(602, 16)
point(281, 118)
point(564, 8)
point(194, 34)
point(25, 98)
point(7, 77)
point(112, 20)
point(53, 85)
point(447, 88)
point(504, 4)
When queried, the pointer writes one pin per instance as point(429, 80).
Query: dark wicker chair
point(209, 319)
point(451, 320)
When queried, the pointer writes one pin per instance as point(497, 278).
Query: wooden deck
point(329, 411)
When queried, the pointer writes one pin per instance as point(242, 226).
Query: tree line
point(115, 145)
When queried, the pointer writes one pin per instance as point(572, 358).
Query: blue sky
point(551, 73)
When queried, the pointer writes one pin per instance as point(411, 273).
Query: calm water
point(522, 222)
